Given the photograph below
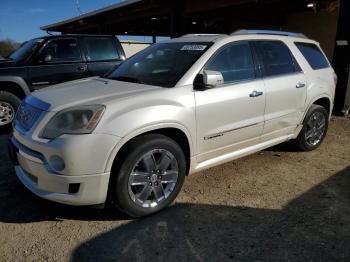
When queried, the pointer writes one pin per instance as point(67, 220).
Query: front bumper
point(81, 180)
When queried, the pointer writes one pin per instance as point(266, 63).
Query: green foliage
point(7, 46)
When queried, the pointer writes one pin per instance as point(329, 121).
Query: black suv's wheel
point(149, 177)
point(314, 130)
point(9, 104)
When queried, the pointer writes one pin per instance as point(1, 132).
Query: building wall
point(131, 48)
point(320, 25)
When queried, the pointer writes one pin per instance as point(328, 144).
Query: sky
point(20, 20)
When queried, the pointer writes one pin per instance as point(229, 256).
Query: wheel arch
point(321, 100)
point(175, 131)
point(14, 85)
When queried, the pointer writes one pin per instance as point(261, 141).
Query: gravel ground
point(276, 205)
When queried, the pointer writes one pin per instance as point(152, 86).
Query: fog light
point(73, 188)
point(57, 163)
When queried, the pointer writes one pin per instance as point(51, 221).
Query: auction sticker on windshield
point(193, 47)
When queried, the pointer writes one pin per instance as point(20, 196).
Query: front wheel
point(314, 129)
point(9, 104)
point(149, 177)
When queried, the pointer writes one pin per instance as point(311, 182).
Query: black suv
point(51, 60)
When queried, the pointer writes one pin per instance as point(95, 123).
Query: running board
point(240, 153)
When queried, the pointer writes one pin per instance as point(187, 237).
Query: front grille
point(27, 115)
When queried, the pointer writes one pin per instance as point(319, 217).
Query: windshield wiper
point(128, 79)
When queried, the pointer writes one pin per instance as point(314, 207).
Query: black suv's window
point(277, 58)
point(235, 62)
point(26, 49)
point(99, 49)
point(62, 50)
point(313, 55)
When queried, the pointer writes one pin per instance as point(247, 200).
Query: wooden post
point(341, 58)
point(177, 19)
point(346, 108)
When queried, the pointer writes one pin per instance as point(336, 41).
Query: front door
point(58, 61)
point(230, 117)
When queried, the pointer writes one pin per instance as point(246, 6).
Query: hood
point(88, 91)
point(6, 63)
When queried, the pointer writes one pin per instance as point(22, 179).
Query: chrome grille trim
point(27, 115)
point(29, 112)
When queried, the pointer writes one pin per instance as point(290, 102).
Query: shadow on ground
point(18, 205)
point(313, 227)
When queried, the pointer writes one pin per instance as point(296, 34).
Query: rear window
point(277, 58)
point(313, 55)
point(99, 49)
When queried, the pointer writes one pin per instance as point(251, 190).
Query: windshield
point(160, 64)
point(25, 49)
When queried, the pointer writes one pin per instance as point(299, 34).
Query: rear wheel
point(314, 129)
point(150, 176)
point(9, 104)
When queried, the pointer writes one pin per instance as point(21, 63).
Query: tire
point(314, 129)
point(9, 104)
point(129, 189)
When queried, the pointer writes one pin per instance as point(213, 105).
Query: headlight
point(75, 120)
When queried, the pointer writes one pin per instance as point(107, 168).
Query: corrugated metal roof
point(96, 12)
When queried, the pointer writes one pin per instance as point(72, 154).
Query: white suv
point(175, 108)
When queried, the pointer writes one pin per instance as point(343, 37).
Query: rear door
point(59, 60)
point(285, 86)
point(102, 54)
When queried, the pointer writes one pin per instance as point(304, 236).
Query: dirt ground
point(276, 205)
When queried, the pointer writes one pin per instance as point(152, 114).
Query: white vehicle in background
point(173, 109)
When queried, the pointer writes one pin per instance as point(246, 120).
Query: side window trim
point(61, 61)
point(258, 61)
point(254, 59)
point(297, 67)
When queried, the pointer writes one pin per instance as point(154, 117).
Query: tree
point(7, 46)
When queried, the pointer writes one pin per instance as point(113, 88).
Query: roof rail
point(192, 35)
point(268, 32)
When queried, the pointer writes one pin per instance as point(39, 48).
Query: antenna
point(78, 7)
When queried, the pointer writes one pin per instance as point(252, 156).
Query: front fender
point(146, 129)
point(16, 80)
point(139, 114)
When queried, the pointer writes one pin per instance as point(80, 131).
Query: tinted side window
point(313, 55)
point(99, 49)
point(235, 62)
point(277, 58)
point(62, 50)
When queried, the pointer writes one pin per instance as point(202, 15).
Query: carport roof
point(174, 18)
point(93, 13)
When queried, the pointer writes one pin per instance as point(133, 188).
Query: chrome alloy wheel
point(153, 178)
point(7, 113)
point(315, 128)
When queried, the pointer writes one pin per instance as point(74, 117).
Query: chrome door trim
point(228, 131)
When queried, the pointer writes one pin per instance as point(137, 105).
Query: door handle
point(82, 68)
point(300, 85)
point(256, 93)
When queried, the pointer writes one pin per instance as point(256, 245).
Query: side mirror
point(44, 58)
point(207, 80)
point(47, 58)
